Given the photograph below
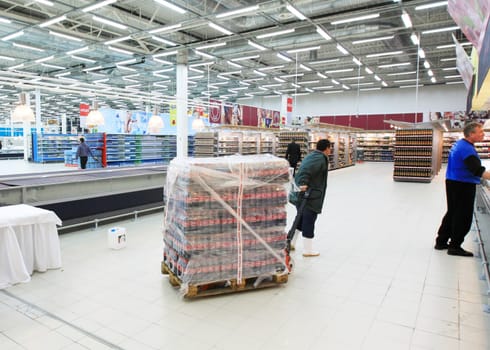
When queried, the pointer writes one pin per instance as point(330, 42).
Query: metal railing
point(96, 221)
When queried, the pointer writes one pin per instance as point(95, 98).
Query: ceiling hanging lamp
point(155, 124)
point(95, 117)
point(197, 123)
point(22, 113)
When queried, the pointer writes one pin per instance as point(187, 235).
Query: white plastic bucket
point(116, 237)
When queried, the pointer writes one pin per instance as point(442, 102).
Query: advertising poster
point(232, 114)
point(470, 16)
point(463, 64)
point(215, 112)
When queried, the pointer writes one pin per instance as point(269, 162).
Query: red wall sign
point(84, 109)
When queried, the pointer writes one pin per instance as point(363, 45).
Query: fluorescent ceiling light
point(452, 45)
point(234, 64)
point(271, 85)
point(410, 86)
point(171, 6)
point(368, 71)
point(355, 19)
point(13, 35)
point(426, 64)
point(292, 75)
point(433, 80)
point(166, 28)
point(243, 83)
point(323, 87)
point(295, 85)
point(203, 54)
point(452, 76)
point(210, 46)
point(109, 22)
point(448, 83)
point(304, 49)
point(342, 49)
point(279, 80)
point(259, 73)
point(432, 5)
point(373, 40)
point(345, 87)
point(332, 92)
point(394, 65)
point(125, 68)
point(245, 58)
point(308, 82)
point(132, 60)
point(126, 52)
point(430, 72)
point(62, 74)
point(364, 84)
point(439, 30)
point(451, 68)
point(421, 53)
point(163, 54)
point(323, 33)
point(52, 66)
point(406, 20)
point(377, 78)
point(193, 69)
point(5, 20)
point(91, 69)
point(401, 73)
point(113, 41)
point(295, 12)
point(281, 32)
point(7, 58)
point(339, 70)
point(44, 2)
point(66, 36)
point(101, 80)
point(201, 64)
point(321, 75)
point(356, 61)
point(324, 61)
point(44, 59)
point(237, 12)
point(405, 81)
point(232, 72)
point(353, 78)
point(385, 54)
point(302, 66)
point(220, 28)
point(370, 89)
point(28, 47)
point(283, 57)
point(98, 5)
point(415, 39)
point(257, 46)
point(384, 84)
point(52, 21)
point(448, 59)
point(271, 68)
point(85, 48)
point(15, 67)
point(83, 59)
point(165, 41)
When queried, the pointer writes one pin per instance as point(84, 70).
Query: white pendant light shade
point(95, 117)
point(155, 124)
point(23, 113)
point(197, 124)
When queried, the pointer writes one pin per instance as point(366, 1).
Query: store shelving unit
point(285, 138)
point(205, 144)
point(375, 146)
point(448, 141)
point(51, 147)
point(417, 155)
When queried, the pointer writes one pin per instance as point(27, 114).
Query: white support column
point(26, 130)
point(38, 111)
point(63, 123)
point(181, 100)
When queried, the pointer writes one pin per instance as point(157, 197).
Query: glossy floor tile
point(378, 284)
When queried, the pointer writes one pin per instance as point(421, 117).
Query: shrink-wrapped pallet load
point(225, 218)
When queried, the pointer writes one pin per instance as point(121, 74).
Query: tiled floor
point(378, 284)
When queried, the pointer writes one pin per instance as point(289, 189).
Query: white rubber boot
point(295, 238)
point(308, 248)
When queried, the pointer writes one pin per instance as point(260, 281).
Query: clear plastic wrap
point(225, 218)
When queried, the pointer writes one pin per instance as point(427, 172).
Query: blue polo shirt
point(456, 168)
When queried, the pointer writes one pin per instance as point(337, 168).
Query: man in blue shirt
point(464, 172)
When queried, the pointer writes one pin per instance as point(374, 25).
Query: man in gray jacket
point(83, 151)
point(312, 175)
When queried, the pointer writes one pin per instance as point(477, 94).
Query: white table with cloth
point(28, 242)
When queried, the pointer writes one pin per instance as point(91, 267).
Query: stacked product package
point(225, 218)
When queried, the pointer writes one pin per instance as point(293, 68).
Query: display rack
point(205, 144)
point(96, 142)
point(51, 147)
point(448, 141)
point(375, 146)
point(417, 155)
point(286, 137)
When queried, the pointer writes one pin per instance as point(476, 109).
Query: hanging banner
point(463, 64)
point(84, 111)
point(470, 16)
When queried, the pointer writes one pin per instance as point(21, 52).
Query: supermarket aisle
point(378, 284)
point(20, 166)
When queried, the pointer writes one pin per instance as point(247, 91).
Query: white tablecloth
point(28, 242)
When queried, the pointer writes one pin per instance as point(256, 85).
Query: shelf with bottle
point(417, 154)
point(375, 146)
point(51, 147)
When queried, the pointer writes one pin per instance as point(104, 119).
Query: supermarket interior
point(147, 188)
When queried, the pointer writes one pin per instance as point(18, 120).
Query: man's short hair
point(82, 139)
point(470, 128)
point(322, 145)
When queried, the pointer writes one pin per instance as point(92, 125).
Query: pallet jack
point(292, 230)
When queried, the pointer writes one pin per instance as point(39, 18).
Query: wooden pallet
point(222, 287)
